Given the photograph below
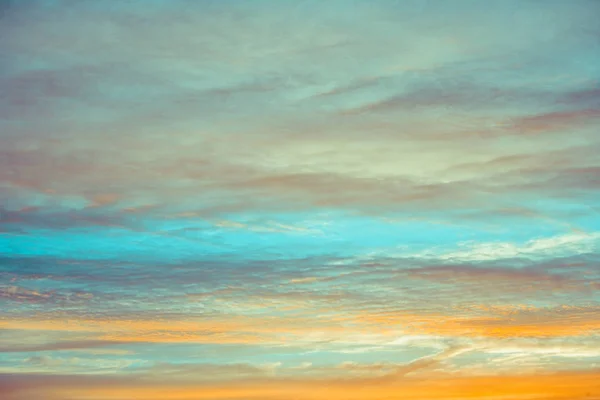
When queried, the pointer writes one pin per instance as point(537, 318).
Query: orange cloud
point(145, 330)
point(553, 386)
point(539, 323)
point(474, 322)
point(232, 329)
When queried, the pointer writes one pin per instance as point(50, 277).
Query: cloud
point(555, 121)
point(24, 295)
point(59, 346)
point(563, 245)
point(501, 280)
point(291, 153)
point(574, 385)
point(207, 372)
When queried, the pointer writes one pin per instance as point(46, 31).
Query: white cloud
point(563, 245)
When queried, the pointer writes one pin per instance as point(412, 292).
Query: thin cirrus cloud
point(366, 199)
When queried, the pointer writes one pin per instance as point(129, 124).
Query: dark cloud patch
point(60, 346)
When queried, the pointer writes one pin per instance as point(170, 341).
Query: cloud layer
point(267, 200)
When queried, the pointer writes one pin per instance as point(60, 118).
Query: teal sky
point(268, 195)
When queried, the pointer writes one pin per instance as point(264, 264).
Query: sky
point(274, 200)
